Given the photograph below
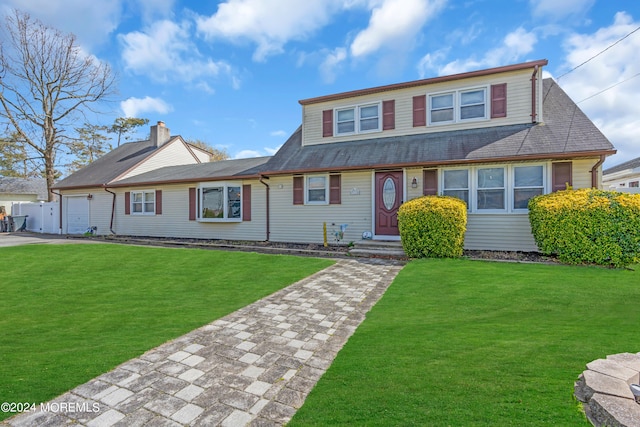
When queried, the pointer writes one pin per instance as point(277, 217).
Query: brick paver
point(253, 367)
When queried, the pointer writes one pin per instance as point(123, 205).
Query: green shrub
point(587, 226)
point(433, 227)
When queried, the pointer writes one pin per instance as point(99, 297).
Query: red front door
point(388, 197)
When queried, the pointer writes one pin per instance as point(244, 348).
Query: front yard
point(474, 343)
point(72, 312)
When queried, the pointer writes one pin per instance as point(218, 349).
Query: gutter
point(113, 207)
point(533, 94)
point(594, 171)
point(60, 209)
point(262, 178)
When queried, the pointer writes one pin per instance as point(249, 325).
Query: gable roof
point(213, 171)
point(566, 132)
point(626, 166)
point(12, 185)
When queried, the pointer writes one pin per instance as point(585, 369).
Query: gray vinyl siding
point(518, 107)
point(171, 154)
point(304, 223)
point(500, 232)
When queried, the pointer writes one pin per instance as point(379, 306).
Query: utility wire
point(610, 87)
point(597, 54)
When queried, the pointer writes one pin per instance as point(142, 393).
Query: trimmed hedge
point(588, 226)
point(433, 227)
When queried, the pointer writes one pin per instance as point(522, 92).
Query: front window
point(346, 121)
point(528, 183)
point(634, 184)
point(456, 184)
point(441, 108)
point(358, 119)
point(491, 190)
point(472, 104)
point(220, 202)
point(317, 189)
point(143, 202)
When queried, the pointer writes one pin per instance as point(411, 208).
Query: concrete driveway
point(25, 238)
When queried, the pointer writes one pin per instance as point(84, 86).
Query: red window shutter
point(192, 204)
point(499, 100)
point(419, 110)
point(389, 114)
point(127, 203)
point(430, 182)
point(561, 176)
point(298, 190)
point(327, 123)
point(246, 202)
point(335, 190)
point(158, 202)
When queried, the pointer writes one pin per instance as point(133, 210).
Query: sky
point(231, 73)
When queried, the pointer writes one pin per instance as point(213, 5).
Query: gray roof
point(109, 166)
point(225, 169)
point(566, 131)
point(11, 185)
point(628, 165)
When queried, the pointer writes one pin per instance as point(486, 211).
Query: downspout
point(113, 208)
point(60, 209)
point(262, 177)
point(594, 171)
point(533, 94)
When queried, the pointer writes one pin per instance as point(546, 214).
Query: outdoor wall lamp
point(89, 196)
point(414, 182)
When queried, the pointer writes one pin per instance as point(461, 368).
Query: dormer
point(478, 99)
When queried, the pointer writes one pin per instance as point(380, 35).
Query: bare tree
point(216, 155)
point(46, 84)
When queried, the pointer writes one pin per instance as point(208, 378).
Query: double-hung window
point(317, 189)
point(358, 119)
point(491, 189)
point(143, 202)
point(458, 106)
point(220, 202)
point(456, 184)
point(528, 182)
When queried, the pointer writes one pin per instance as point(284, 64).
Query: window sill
point(219, 220)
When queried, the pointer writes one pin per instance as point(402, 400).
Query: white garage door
point(77, 215)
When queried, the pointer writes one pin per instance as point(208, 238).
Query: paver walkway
point(253, 367)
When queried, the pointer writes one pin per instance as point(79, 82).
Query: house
point(494, 138)
point(16, 190)
point(623, 177)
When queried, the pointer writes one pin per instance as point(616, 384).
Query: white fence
point(42, 217)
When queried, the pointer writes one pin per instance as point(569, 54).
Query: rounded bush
point(587, 226)
point(433, 227)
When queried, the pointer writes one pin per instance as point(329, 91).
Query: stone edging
point(603, 389)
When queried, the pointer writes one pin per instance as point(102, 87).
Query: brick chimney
point(160, 134)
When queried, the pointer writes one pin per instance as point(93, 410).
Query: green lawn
point(71, 312)
point(470, 343)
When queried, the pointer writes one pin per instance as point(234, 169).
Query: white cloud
point(331, 63)
point(135, 107)
point(394, 24)
point(90, 21)
point(278, 133)
point(245, 154)
point(616, 111)
point(270, 25)
point(514, 47)
point(557, 10)
point(272, 151)
point(165, 52)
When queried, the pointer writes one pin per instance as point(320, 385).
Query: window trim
point(326, 189)
point(143, 202)
point(225, 209)
point(357, 119)
point(457, 105)
point(509, 185)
